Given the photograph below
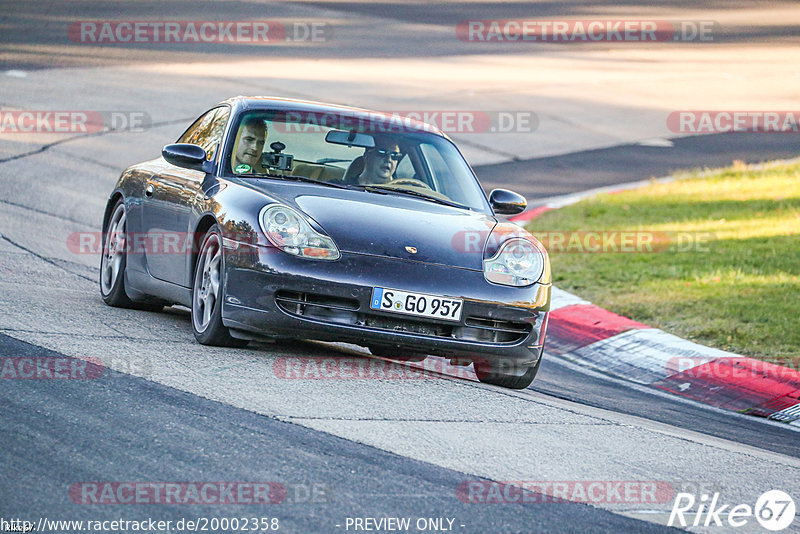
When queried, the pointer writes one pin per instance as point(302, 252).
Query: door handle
point(149, 191)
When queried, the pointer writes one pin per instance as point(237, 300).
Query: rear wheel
point(507, 376)
point(114, 259)
point(209, 280)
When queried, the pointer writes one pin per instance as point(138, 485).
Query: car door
point(170, 197)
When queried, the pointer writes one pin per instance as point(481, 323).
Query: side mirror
point(185, 155)
point(507, 202)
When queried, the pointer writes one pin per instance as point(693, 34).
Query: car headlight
point(518, 262)
point(288, 230)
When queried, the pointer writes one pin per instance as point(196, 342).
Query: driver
point(380, 162)
point(252, 136)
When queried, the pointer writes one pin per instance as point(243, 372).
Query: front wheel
point(507, 376)
point(207, 291)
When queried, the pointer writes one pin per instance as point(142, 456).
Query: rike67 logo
point(774, 510)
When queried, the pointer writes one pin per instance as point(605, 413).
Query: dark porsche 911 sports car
point(274, 218)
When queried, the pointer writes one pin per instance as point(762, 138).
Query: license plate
point(418, 304)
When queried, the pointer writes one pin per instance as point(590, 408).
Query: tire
point(113, 261)
point(394, 354)
point(207, 290)
point(488, 375)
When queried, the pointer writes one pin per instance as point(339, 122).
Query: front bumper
point(268, 292)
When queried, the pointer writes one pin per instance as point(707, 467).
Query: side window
point(207, 131)
point(405, 169)
point(438, 167)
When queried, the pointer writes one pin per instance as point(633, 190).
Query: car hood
point(399, 227)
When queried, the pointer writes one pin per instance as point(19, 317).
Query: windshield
point(345, 150)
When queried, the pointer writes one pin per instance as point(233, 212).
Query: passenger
point(380, 162)
point(252, 137)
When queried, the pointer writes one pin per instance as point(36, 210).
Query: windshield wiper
point(295, 178)
point(410, 192)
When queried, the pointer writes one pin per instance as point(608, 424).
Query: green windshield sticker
point(243, 168)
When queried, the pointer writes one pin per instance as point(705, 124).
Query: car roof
point(245, 103)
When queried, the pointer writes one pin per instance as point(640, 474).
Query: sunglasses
point(395, 156)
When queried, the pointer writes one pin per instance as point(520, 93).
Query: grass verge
point(713, 257)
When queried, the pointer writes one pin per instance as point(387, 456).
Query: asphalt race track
point(160, 408)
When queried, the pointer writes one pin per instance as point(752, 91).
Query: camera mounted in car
point(276, 160)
